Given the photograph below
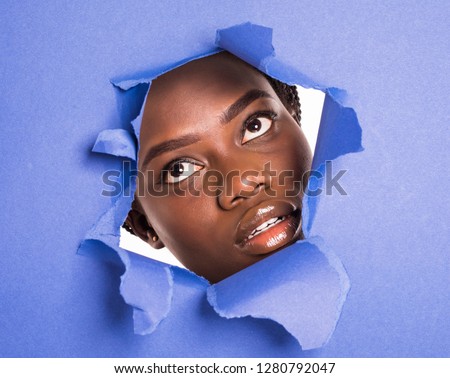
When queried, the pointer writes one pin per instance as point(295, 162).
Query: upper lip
point(259, 214)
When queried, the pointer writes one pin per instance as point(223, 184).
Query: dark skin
point(192, 137)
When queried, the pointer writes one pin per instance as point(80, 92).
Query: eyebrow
point(241, 103)
point(231, 112)
point(170, 145)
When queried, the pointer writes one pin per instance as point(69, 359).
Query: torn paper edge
point(268, 64)
point(344, 288)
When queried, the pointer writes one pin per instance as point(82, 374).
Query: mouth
point(272, 222)
point(269, 227)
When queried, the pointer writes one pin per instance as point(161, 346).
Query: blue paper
point(149, 291)
point(300, 287)
point(390, 231)
point(252, 43)
point(319, 297)
point(117, 142)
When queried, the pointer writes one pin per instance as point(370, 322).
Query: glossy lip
point(272, 238)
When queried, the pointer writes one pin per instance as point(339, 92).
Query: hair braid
point(288, 95)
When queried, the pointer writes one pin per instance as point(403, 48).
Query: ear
point(137, 222)
point(293, 114)
point(297, 117)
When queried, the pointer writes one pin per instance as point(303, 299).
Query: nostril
point(236, 201)
point(247, 193)
point(238, 188)
point(230, 202)
point(260, 186)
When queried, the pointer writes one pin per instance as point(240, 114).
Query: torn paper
point(303, 287)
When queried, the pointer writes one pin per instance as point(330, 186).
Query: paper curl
point(303, 287)
point(116, 142)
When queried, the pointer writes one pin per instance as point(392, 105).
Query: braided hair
point(288, 95)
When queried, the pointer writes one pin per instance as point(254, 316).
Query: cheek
point(180, 217)
point(293, 154)
point(302, 153)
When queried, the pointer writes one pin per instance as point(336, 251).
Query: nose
point(241, 183)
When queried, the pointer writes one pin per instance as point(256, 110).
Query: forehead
point(192, 97)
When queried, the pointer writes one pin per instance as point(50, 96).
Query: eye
point(180, 170)
point(256, 126)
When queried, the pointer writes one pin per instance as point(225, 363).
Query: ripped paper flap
point(147, 286)
point(116, 142)
point(301, 288)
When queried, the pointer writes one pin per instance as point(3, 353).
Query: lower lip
point(274, 237)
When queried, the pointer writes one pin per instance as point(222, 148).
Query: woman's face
point(223, 165)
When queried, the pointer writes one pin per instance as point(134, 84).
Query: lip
point(278, 232)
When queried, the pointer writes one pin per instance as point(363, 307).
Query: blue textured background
point(391, 231)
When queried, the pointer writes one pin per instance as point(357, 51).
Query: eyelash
point(169, 166)
point(268, 114)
